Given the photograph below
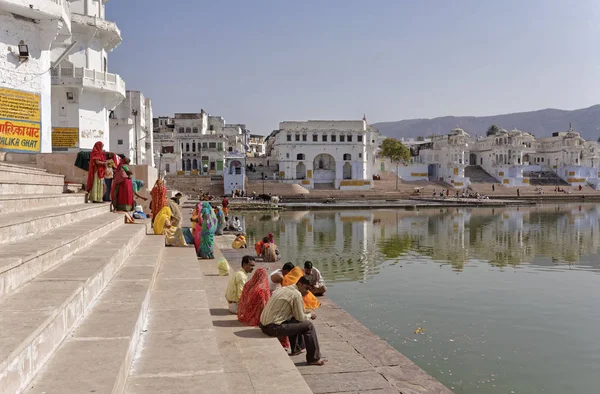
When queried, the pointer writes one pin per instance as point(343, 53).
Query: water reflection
point(350, 245)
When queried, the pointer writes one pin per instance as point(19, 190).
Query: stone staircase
point(476, 174)
point(89, 304)
point(544, 178)
point(58, 254)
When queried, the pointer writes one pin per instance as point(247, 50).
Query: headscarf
point(159, 196)
point(209, 219)
point(160, 219)
point(96, 154)
point(271, 238)
point(254, 297)
point(310, 301)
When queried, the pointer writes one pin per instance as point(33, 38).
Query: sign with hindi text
point(20, 121)
point(65, 137)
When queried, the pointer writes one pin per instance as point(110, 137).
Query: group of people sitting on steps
point(281, 303)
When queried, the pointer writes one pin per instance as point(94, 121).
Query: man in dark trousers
point(284, 316)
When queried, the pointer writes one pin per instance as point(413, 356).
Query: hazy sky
point(260, 62)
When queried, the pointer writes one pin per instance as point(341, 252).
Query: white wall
point(31, 75)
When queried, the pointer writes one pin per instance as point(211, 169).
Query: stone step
point(26, 167)
point(178, 351)
point(39, 315)
point(97, 355)
point(29, 176)
point(26, 223)
point(24, 188)
point(18, 202)
point(23, 260)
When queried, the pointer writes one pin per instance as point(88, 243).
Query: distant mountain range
point(540, 123)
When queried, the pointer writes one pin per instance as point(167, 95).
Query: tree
point(492, 130)
point(394, 150)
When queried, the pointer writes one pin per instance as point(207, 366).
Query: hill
point(540, 123)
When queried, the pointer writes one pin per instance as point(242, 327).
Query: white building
point(512, 158)
point(29, 32)
point(83, 91)
point(256, 145)
point(131, 129)
point(235, 173)
point(198, 142)
point(325, 153)
point(167, 154)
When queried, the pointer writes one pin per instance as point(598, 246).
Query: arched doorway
point(188, 165)
point(300, 171)
point(324, 170)
point(347, 170)
point(194, 164)
point(472, 159)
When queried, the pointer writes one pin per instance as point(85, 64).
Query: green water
point(509, 298)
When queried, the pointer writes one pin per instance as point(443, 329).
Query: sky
point(261, 62)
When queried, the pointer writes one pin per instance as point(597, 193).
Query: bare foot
point(318, 362)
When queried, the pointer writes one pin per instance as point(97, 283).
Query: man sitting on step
point(284, 316)
point(237, 282)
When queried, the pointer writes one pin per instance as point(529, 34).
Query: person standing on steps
point(518, 193)
point(96, 171)
point(237, 282)
point(493, 187)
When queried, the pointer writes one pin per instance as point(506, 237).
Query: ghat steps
point(89, 304)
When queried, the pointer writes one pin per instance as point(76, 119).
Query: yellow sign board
point(65, 137)
point(20, 121)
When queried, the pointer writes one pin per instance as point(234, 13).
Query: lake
point(508, 298)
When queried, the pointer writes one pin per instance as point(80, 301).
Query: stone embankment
point(358, 360)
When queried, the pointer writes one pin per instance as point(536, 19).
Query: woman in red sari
point(96, 172)
point(159, 197)
point(254, 297)
point(122, 190)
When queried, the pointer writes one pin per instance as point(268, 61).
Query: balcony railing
point(88, 78)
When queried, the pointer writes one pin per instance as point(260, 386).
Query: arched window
point(347, 156)
point(187, 147)
point(300, 156)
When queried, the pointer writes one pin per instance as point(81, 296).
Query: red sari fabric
point(159, 197)
point(122, 187)
point(254, 297)
point(97, 154)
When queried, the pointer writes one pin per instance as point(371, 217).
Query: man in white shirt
point(276, 277)
point(284, 316)
point(318, 284)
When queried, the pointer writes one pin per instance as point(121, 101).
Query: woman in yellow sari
point(162, 225)
point(310, 301)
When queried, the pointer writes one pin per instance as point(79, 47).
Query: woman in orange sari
point(96, 172)
point(310, 301)
point(159, 197)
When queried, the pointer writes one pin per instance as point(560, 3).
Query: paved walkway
point(358, 360)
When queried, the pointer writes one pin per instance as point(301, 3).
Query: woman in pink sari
point(197, 226)
point(122, 188)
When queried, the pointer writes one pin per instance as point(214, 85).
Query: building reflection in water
point(350, 245)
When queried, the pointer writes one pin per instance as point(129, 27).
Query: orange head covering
point(97, 154)
point(310, 301)
point(159, 197)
